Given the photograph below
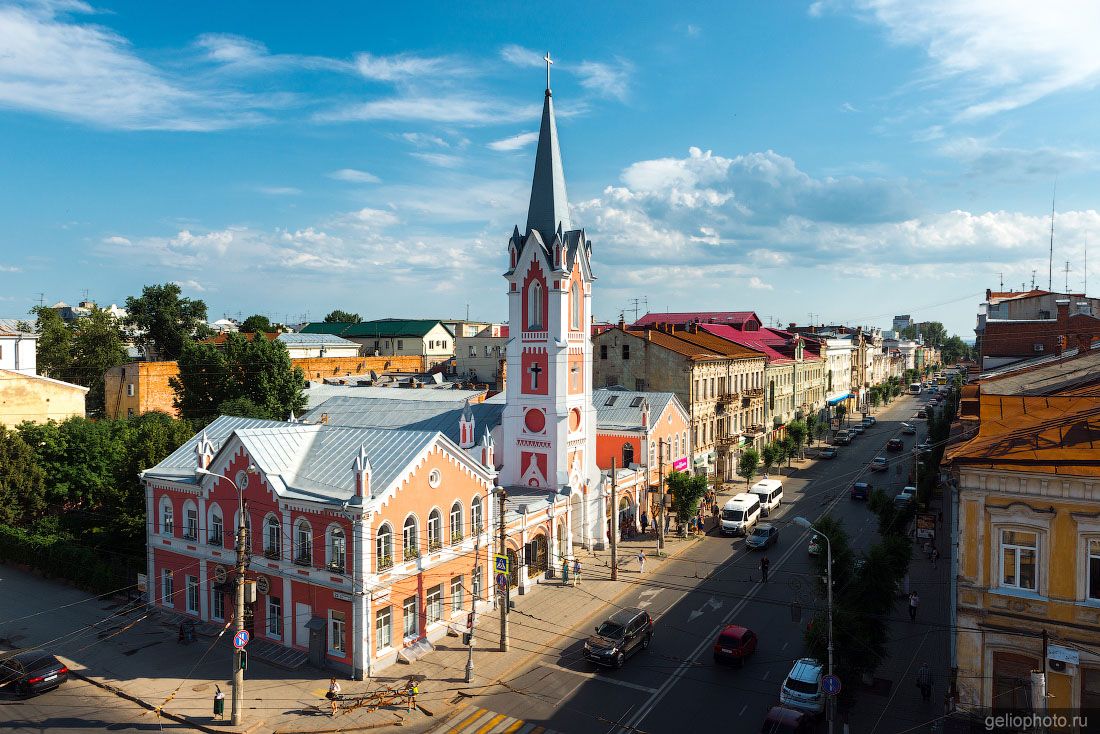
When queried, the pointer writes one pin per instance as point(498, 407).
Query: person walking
point(412, 690)
point(764, 563)
point(914, 602)
point(924, 682)
point(333, 694)
point(935, 556)
point(564, 571)
point(645, 521)
point(219, 703)
point(641, 561)
point(668, 521)
point(576, 571)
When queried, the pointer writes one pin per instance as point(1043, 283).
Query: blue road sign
point(830, 684)
point(240, 639)
point(500, 563)
point(502, 581)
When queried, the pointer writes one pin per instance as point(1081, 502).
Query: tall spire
point(549, 202)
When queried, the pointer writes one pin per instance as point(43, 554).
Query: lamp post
point(238, 614)
point(804, 523)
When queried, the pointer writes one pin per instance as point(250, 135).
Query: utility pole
point(506, 593)
point(1067, 277)
point(238, 614)
point(614, 526)
point(660, 496)
point(473, 609)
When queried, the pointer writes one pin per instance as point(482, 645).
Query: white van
point(740, 514)
point(770, 492)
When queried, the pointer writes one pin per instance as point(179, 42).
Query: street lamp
point(238, 616)
point(804, 523)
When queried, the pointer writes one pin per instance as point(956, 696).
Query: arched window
point(410, 549)
point(575, 306)
point(215, 525)
point(435, 530)
point(477, 521)
point(456, 522)
point(303, 543)
point(628, 454)
point(273, 537)
point(534, 306)
point(684, 441)
point(190, 520)
point(167, 517)
point(337, 549)
point(384, 546)
point(676, 446)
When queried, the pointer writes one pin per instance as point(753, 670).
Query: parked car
point(801, 689)
point(842, 438)
point(815, 546)
point(879, 463)
point(764, 535)
point(734, 644)
point(856, 430)
point(905, 496)
point(924, 448)
point(908, 429)
point(827, 453)
point(922, 413)
point(624, 633)
point(861, 491)
point(868, 422)
point(895, 444)
point(782, 720)
point(32, 672)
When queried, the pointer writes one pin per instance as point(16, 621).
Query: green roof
point(374, 329)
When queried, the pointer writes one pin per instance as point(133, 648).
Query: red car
point(734, 644)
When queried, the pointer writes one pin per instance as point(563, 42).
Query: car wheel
point(24, 690)
point(619, 660)
point(645, 641)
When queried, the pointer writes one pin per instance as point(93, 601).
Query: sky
point(849, 159)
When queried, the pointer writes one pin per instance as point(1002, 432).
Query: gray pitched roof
point(549, 202)
point(406, 414)
point(625, 409)
point(304, 340)
point(313, 462)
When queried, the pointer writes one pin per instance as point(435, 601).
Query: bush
point(57, 556)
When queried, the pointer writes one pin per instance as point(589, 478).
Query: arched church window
point(575, 304)
point(534, 306)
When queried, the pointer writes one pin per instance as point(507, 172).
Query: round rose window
point(534, 420)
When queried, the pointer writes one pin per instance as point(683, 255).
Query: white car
point(905, 496)
point(802, 687)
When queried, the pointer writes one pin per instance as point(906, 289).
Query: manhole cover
point(200, 687)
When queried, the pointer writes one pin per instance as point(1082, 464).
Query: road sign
point(240, 639)
point(500, 563)
point(502, 581)
point(830, 684)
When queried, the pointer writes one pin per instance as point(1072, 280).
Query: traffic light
point(467, 638)
point(244, 660)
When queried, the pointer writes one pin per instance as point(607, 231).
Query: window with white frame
point(457, 600)
point(1094, 569)
point(215, 534)
point(192, 595)
point(384, 547)
point(383, 625)
point(435, 530)
point(167, 516)
point(336, 632)
point(435, 604)
point(477, 523)
point(473, 350)
point(274, 616)
point(409, 539)
point(456, 523)
point(273, 538)
point(129, 389)
point(167, 587)
point(410, 619)
point(1019, 560)
point(303, 543)
point(191, 522)
point(337, 553)
point(217, 604)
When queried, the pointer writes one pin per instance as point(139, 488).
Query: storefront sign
point(926, 525)
point(341, 596)
point(680, 464)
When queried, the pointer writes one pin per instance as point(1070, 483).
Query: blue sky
point(849, 158)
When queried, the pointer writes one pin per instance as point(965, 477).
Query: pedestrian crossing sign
point(500, 563)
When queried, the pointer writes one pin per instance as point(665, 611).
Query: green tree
point(787, 450)
point(797, 430)
point(687, 491)
point(769, 456)
point(54, 348)
point(22, 481)
point(244, 408)
point(746, 465)
point(165, 320)
point(812, 424)
point(342, 317)
point(874, 395)
point(954, 349)
point(255, 323)
point(841, 411)
point(96, 347)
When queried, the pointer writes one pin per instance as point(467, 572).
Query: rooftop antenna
point(1086, 289)
point(1067, 277)
point(1050, 265)
point(467, 312)
point(1033, 279)
point(41, 299)
point(1002, 281)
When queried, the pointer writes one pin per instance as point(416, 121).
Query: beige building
point(24, 394)
point(481, 357)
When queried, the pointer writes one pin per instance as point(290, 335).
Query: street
point(674, 682)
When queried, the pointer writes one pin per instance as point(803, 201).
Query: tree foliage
point(96, 347)
point(797, 430)
point(256, 323)
point(955, 349)
point(22, 481)
point(342, 317)
point(166, 320)
point(55, 344)
point(769, 456)
point(258, 370)
point(746, 465)
point(687, 491)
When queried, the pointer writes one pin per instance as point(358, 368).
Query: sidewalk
point(136, 654)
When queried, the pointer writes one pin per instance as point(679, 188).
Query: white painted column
point(204, 591)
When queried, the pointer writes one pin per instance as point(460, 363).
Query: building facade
point(425, 338)
point(481, 357)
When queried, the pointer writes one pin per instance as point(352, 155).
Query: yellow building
point(1028, 551)
point(30, 397)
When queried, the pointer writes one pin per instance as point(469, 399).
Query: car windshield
point(733, 514)
point(610, 629)
point(761, 532)
point(801, 686)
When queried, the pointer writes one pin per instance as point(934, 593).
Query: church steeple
point(549, 202)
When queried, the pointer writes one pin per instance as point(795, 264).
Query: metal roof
point(412, 328)
point(318, 392)
point(686, 317)
point(625, 409)
point(406, 414)
point(307, 340)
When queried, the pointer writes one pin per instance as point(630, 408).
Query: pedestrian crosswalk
point(484, 721)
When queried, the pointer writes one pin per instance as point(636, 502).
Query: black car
point(32, 672)
point(895, 444)
point(861, 491)
point(624, 633)
point(827, 453)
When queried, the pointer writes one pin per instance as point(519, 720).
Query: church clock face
point(534, 420)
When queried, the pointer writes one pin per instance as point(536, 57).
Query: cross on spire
point(549, 63)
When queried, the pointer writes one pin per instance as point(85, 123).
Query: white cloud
point(424, 140)
point(458, 110)
point(757, 284)
point(401, 67)
point(515, 142)
point(279, 190)
point(520, 56)
point(848, 107)
point(354, 175)
point(606, 79)
point(983, 157)
point(193, 285)
point(10, 269)
point(228, 48)
point(367, 217)
point(443, 160)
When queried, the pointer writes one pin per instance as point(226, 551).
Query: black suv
point(624, 633)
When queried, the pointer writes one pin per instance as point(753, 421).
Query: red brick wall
point(1018, 338)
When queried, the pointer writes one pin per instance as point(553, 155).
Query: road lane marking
point(766, 674)
point(743, 708)
point(785, 644)
point(604, 678)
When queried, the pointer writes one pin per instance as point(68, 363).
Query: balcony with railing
point(336, 566)
point(385, 563)
point(411, 553)
point(728, 397)
point(754, 430)
point(191, 533)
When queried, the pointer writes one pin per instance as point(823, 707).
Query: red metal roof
point(711, 317)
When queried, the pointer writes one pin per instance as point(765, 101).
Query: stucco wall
point(37, 399)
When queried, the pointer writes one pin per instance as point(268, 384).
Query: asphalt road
point(675, 684)
point(79, 707)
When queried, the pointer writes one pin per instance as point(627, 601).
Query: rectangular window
point(130, 390)
point(435, 604)
point(410, 619)
point(626, 351)
point(167, 590)
point(457, 602)
point(1094, 569)
point(191, 524)
point(274, 616)
point(192, 595)
point(383, 626)
point(473, 351)
point(603, 351)
point(217, 604)
point(400, 343)
point(336, 632)
point(167, 524)
point(216, 530)
point(1019, 560)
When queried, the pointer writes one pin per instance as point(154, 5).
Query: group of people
point(412, 690)
point(565, 566)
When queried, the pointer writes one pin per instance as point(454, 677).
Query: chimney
point(1063, 319)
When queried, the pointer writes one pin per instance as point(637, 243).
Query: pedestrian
point(641, 561)
point(668, 521)
point(180, 640)
point(914, 602)
point(764, 563)
point(564, 571)
point(411, 690)
point(924, 682)
point(219, 702)
point(576, 571)
point(333, 694)
point(935, 556)
point(645, 521)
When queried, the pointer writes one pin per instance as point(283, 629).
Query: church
point(371, 522)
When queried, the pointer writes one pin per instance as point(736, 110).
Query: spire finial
point(549, 63)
